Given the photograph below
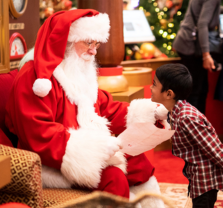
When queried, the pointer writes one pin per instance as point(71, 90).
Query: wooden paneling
point(31, 22)
point(4, 36)
point(151, 63)
point(111, 53)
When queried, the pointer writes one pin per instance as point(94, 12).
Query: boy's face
point(156, 88)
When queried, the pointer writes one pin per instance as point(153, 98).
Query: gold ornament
point(163, 22)
point(148, 50)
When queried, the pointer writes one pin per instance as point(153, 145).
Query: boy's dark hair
point(177, 78)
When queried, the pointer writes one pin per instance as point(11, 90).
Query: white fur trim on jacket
point(85, 157)
point(41, 87)
point(152, 186)
point(90, 28)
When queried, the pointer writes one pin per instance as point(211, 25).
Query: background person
point(205, 13)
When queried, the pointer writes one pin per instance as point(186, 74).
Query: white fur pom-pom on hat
point(41, 87)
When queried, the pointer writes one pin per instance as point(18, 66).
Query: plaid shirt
point(196, 142)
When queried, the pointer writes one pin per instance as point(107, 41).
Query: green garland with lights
point(164, 28)
point(74, 3)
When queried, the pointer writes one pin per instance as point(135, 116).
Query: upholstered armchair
point(26, 186)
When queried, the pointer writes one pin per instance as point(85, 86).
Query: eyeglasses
point(92, 45)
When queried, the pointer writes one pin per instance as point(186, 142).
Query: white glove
point(161, 112)
point(113, 145)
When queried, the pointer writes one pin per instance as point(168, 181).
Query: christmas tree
point(74, 3)
point(164, 17)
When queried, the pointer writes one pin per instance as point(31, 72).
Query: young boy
point(195, 140)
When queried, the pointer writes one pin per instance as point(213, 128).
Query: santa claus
point(56, 110)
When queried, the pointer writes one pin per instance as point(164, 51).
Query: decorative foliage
point(48, 7)
point(164, 17)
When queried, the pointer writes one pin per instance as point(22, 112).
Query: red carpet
point(168, 168)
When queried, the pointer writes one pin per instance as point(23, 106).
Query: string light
point(169, 47)
point(141, 8)
point(157, 9)
point(169, 30)
point(165, 9)
point(170, 25)
point(164, 45)
point(160, 31)
point(155, 4)
point(172, 36)
point(179, 13)
point(165, 34)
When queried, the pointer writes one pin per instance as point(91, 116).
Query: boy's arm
point(206, 138)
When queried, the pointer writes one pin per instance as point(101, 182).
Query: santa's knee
point(114, 181)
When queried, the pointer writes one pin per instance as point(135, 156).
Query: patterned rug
point(177, 194)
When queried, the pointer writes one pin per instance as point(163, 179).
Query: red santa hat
point(73, 26)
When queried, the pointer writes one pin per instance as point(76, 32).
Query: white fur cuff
point(141, 111)
point(85, 157)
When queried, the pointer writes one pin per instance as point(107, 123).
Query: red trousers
point(114, 181)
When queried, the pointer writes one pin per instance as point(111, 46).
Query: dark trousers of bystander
point(206, 200)
point(198, 96)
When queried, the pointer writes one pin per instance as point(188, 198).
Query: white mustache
point(87, 57)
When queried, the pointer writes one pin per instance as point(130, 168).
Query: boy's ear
point(170, 94)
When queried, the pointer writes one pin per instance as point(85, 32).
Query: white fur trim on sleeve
point(90, 28)
point(41, 87)
point(141, 111)
point(119, 161)
point(52, 178)
point(85, 157)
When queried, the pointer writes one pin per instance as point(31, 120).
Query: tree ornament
point(164, 22)
point(148, 50)
point(169, 4)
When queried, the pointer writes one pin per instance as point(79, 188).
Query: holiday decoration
point(164, 19)
point(147, 50)
point(48, 7)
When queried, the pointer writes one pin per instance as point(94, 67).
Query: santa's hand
point(161, 112)
point(113, 145)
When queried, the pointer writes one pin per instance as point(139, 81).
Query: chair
point(26, 186)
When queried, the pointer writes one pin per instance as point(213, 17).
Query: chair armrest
point(5, 170)
point(26, 183)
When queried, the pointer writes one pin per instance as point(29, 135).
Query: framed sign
point(136, 27)
point(17, 46)
point(17, 7)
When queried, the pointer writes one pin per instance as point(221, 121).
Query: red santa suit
point(68, 128)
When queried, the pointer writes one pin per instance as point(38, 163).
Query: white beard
point(82, 73)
